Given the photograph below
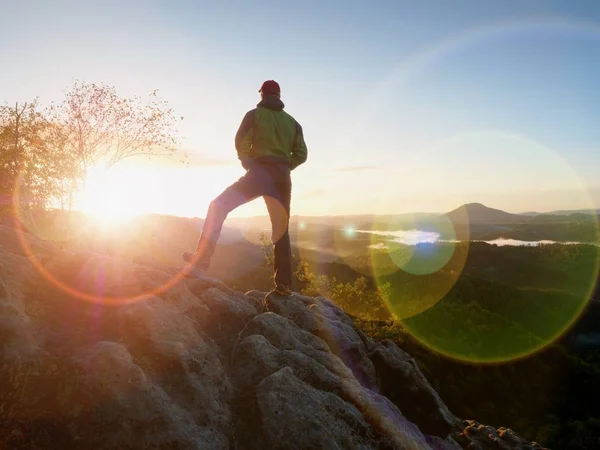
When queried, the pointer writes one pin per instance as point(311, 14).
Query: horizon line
point(341, 215)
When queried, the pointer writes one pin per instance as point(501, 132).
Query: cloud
point(355, 168)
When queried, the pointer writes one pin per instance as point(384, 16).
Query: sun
point(115, 196)
point(111, 197)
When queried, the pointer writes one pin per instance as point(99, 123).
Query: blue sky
point(406, 105)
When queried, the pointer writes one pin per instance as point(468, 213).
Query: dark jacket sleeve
point(299, 151)
point(243, 137)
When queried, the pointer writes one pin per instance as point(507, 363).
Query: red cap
point(270, 87)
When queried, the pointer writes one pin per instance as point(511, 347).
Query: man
point(270, 144)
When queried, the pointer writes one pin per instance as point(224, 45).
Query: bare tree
point(100, 127)
point(48, 153)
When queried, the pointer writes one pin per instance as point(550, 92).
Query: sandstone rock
point(199, 283)
point(271, 343)
point(126, 410)
point(10, 242)
point(168, 347)
point(342, 339)
point(17, 336)
point(321, 421)
point(403, 383)
point(258, 298)
point(256, 357)
point(126, 356)
point(227, 315)
point(479, 436)
point(437, 443)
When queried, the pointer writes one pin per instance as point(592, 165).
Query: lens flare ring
point(77, 293)
point(401, 77)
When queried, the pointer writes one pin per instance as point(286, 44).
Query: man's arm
point(299, 151)
point(243, 137)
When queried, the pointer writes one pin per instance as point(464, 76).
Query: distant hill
point(563, 212)
point(478, 213)
point(339, 221)
point(567, 212)
point(553, 218)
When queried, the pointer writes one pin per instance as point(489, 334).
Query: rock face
point(482, 437)
point(102, 353)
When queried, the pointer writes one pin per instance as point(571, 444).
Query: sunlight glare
point(112, 196)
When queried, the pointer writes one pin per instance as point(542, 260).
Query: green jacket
point(269, 133)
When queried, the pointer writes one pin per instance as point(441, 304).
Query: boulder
point(477, 436)
point(323, 319)
point(18, 338)
point(271, 343)
point(123, 408)
point(403, 383)
point(321, 421)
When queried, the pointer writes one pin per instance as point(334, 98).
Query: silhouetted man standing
point(270, 144)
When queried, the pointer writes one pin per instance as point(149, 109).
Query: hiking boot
point(195, 262)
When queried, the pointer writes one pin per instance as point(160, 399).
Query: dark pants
point(271, 181)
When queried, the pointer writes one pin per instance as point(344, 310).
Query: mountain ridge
point(479, 213)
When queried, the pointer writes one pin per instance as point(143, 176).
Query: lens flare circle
point(100, 277)
point(352, 244)
point(420, 274)
point(469, 339)
point(422, 246)
point(469, 324)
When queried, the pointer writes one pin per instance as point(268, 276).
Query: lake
point(414, 237)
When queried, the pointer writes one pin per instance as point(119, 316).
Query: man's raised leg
point(242, 191)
